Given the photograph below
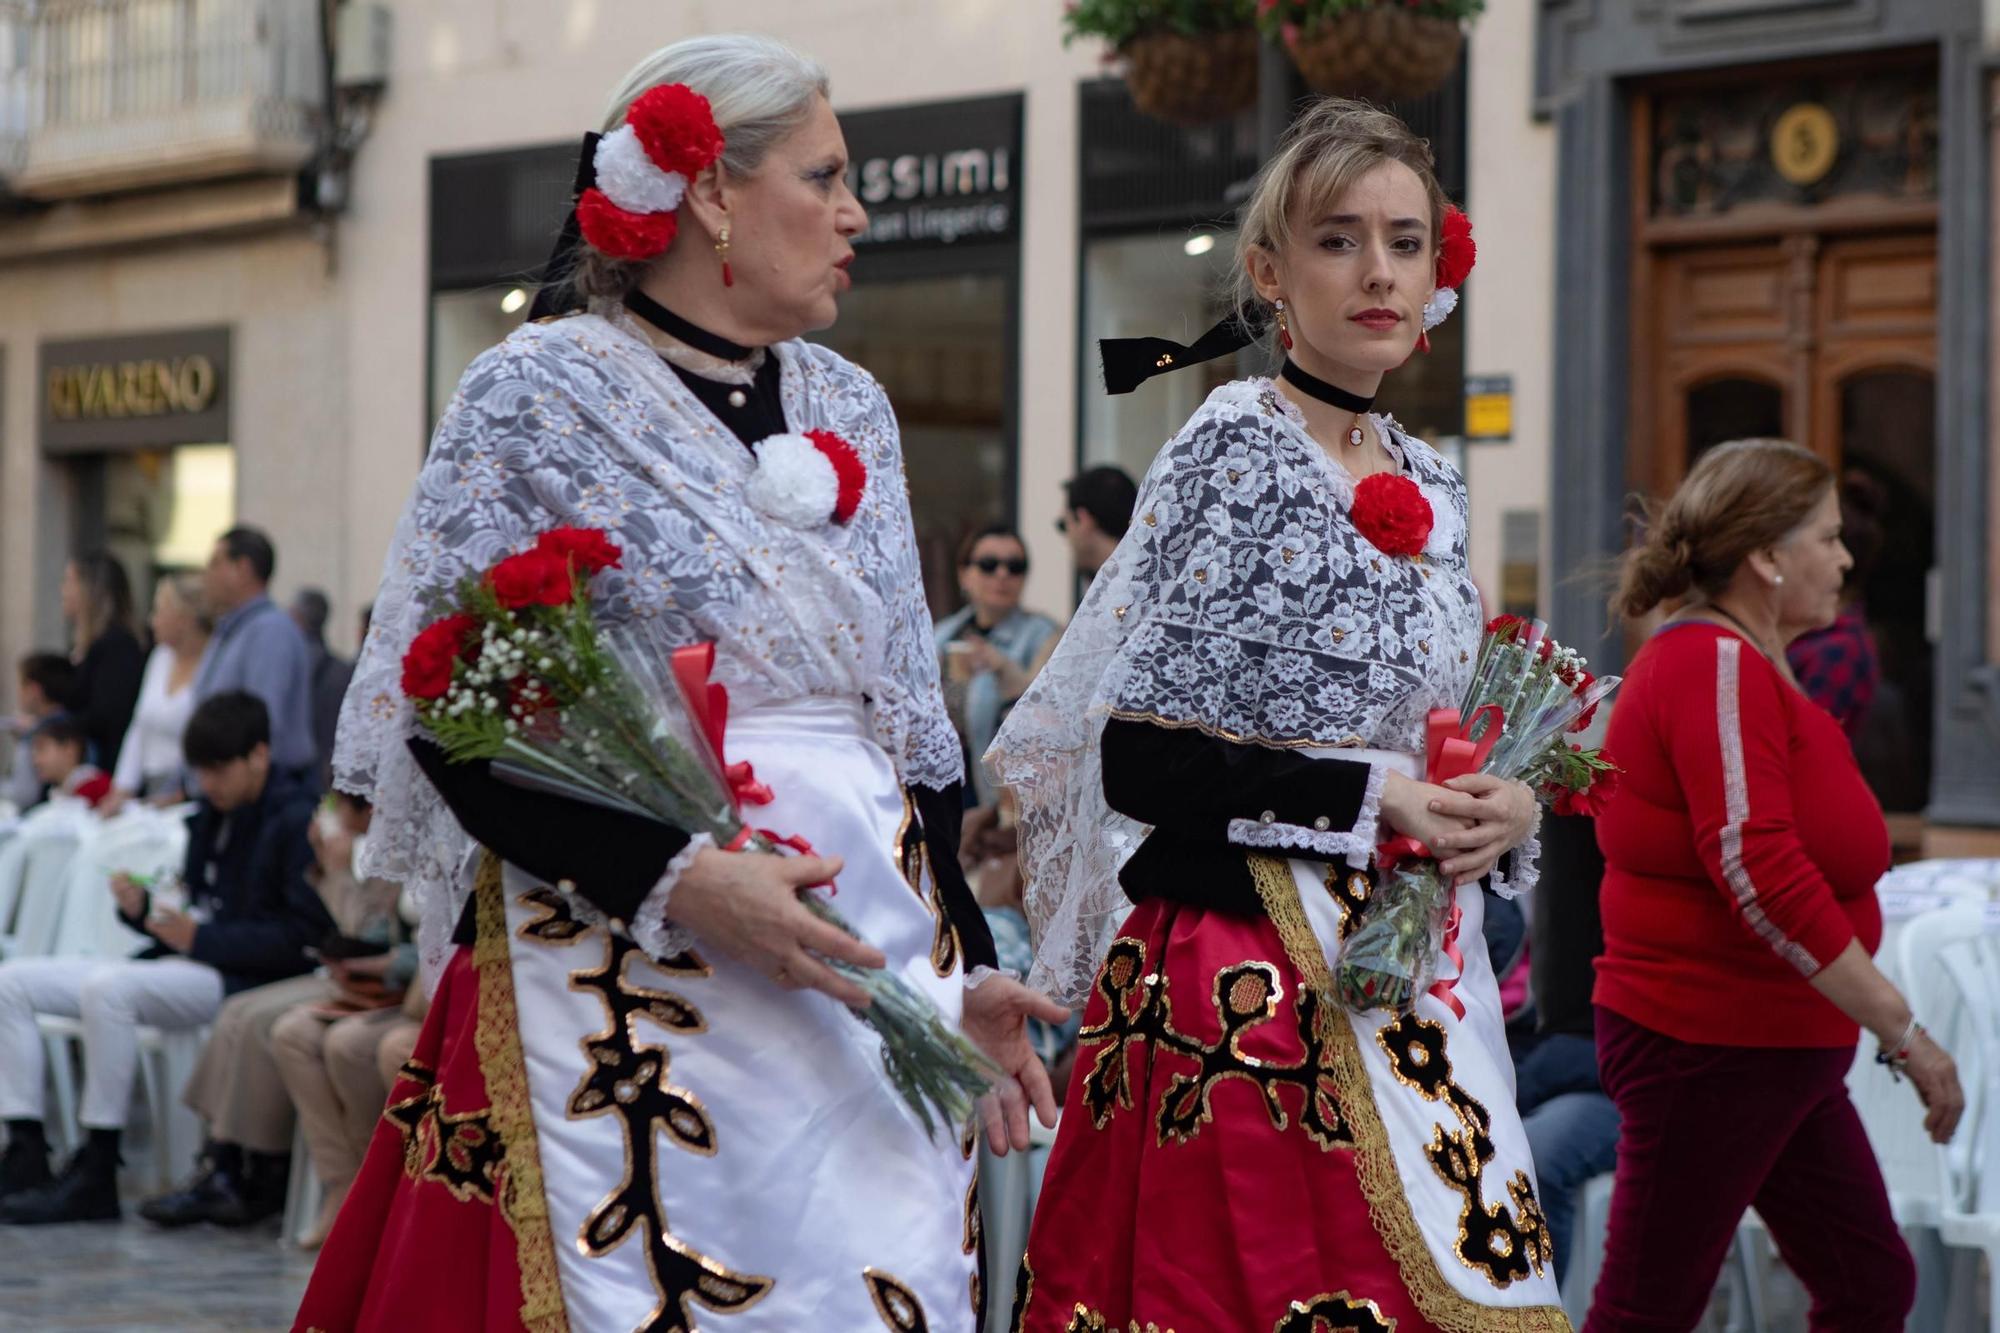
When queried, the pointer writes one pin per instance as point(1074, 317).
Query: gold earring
point(722, 253)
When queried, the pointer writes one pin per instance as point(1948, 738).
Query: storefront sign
point(942, 174)
point(135, 392)
point(1489, 408)
point(1805, 142)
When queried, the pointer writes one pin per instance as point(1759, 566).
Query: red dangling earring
point(1424, 341)
point(722, 251)
point(1284, 331)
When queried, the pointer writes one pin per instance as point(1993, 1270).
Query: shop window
point(464, 324)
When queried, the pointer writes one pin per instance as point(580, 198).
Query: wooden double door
point(1829, 340)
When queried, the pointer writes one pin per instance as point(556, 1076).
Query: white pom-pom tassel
point(794, 482)
point(1443, 301)
point(631, 179)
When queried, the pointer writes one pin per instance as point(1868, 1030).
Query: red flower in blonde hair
point(1456, 252)
point(622, 235)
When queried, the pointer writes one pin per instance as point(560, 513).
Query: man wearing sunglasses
point(1097, 508)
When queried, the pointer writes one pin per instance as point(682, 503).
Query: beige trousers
point(333, 1068)
point(236, 1088)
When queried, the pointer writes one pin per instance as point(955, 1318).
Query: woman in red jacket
point(1741, 855)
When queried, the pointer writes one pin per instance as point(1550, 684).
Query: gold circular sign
point(1804, 143)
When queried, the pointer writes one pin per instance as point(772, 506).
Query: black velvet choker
point(665, 320)
point(1314, 386)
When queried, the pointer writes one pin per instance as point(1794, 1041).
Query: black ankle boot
point(214, 1192)
point(86, 1191)
point(25, 1164)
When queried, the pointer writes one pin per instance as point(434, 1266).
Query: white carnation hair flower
point(631, 179)
point(794, 483)
point(1443, 301)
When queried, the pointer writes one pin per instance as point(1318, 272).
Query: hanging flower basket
point(1187, 80)
point(1379, 51)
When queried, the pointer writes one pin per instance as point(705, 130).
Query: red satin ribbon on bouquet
point(1450, 752)
point(708, 703)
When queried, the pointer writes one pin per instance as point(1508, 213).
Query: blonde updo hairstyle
point(760, 91)
point(1331, 146)
point(1740, 497)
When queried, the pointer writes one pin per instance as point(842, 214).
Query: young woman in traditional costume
point(641, 1100)
point(1238, 705)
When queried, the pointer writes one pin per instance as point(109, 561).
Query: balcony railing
point(121, 94)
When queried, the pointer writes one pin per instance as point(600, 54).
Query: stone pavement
point(132, 1277)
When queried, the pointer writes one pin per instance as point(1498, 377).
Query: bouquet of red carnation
point(1528, 693)
point(520, 673)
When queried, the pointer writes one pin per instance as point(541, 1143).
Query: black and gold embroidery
point(1351, 889)
point(459, 1151)
point(914, 858)
point(1245, 996)
point(1024, 1292)
point(1505, 1241)
point(629, 1079)
point(557, 924)
point(895, 1302)
point(1334, 1312)
point(1086, 1320)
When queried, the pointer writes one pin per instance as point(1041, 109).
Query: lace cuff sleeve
point(1520, 869)
point(1356, 844)
point(651, 927)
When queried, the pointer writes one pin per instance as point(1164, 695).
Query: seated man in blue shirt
point(250, 914)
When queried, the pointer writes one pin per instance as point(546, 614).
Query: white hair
point(759, 89)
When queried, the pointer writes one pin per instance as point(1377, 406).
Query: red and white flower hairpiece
point(1456, 256)
point(643, 169)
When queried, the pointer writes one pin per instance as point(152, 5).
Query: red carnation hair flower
point(622, 235)
point(1456, 252)
point(1392, 513)
point(848, 469)
point(677, 127)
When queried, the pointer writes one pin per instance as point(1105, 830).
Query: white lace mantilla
point(1241, 602)
point(578, 421)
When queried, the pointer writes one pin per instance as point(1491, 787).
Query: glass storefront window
point(464, 324)
point(157, 510)
point(939, 347)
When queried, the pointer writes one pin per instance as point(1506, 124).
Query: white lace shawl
point(1242, 603)
point(578, 421)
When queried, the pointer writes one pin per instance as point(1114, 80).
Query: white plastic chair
point(1958, 999)
point(37, 860)
point(138, 842)
point(303, 1191)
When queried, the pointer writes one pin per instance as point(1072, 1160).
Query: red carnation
point(676, 126)
point(587, 548)
point(1591, 799)
point(1456, 252)
point(622, 235)
point(1507, 627)
point(427, 666)
point(848, 469)
point(1392, 513)
point(532, 578)
point(1583, 685)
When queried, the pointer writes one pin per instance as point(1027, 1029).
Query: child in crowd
point(59, 753)
point(45, 682)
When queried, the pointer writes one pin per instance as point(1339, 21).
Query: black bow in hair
point(1130, 362)
point(553, 295)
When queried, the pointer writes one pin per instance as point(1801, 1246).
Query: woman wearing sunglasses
point(987, 647)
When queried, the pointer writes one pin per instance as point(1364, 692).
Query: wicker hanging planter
point(1380, 53)
point(1189, 80)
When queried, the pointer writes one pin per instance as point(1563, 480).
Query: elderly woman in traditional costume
point(641, 1100)
point(1237, 706)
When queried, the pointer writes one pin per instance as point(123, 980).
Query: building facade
point(333, 216)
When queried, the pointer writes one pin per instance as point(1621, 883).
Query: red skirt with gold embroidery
point(1223, 1164)
point(446, 1228)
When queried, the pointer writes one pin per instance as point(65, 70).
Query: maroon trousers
point(1707, 1131)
